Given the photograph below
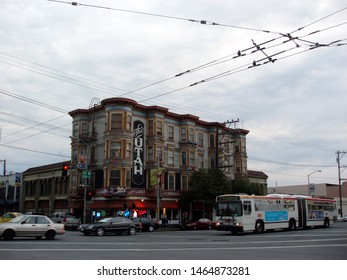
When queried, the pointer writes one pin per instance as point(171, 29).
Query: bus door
point(302, 212)
point(248, 214)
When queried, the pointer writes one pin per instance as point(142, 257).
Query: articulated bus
point(240, 213)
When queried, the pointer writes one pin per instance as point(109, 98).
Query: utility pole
point(221, 144)
point(339, 156)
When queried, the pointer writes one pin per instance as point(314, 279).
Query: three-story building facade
point(137, 160)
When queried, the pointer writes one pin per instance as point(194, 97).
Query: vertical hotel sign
point(138, 154)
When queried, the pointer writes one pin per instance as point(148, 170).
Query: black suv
point(147, 224)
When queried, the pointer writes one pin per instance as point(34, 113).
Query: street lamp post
point(308, 179)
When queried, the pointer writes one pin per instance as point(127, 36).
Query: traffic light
point(89, 195)
point(64, 170)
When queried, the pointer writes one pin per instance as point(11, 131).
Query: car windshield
point(18, 219)
point(105, 220)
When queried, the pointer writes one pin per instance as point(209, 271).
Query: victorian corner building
point(128, 158)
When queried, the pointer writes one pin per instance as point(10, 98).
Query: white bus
point(240, 213)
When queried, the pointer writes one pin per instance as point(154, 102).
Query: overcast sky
point(56, 57)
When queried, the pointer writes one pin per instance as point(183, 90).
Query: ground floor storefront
point(168, 210)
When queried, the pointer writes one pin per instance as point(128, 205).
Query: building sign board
point(138, 154)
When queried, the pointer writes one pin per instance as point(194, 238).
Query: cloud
point(64, 56)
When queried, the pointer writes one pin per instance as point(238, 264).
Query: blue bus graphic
point(276, 216)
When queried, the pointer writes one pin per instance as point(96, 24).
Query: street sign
point(82, 162)
point(86, 174)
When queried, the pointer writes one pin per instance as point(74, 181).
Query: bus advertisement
point(240, 213)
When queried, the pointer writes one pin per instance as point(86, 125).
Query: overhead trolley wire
point(234, 56)
point(204, 22)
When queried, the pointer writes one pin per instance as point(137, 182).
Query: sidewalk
point(169, 228)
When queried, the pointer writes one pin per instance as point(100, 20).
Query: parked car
point(342, 219)
point(9, 216)
point(200, 224)
point(69, 220)
point(147, 224)
point(30, 226)
point(110, 225)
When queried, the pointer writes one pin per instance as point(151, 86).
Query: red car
point(200, 224)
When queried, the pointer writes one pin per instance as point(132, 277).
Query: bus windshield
point(229, 208)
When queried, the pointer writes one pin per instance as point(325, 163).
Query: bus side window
point(247, 209)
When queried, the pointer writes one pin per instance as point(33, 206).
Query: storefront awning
point(99, 204)
point(123, 203)
point(170, 204)
point(75, 204)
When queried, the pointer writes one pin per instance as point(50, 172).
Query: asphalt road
point(311, 244)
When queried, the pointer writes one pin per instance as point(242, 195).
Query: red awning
point(75, 204)
point(106, 204)
point(146, 204)
point(170, 204)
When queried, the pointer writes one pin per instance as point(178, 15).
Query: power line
point(224, 73)
point(34, 151)
point(286, 163)
point(11, 94)
point(203, 22)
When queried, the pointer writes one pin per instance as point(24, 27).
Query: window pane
point(115, 150)
point(184, 158)
point(116, 121)
point(183, 134)
point(159, 128)
point(115, 178)
point(191, 135)
point(192, 158)
point(201, 139)
point(150, 153)
point(171, 182)
point(171, 133)
point(150, 127)
point(171, 159)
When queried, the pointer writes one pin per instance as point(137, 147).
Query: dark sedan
point(147, 224)
point(104, 226)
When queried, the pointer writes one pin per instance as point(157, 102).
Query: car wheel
point(132, 231)
point(100, 231)
point(8, 234)
point(150, 228)
point(50, 235)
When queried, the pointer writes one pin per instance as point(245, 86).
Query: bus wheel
point(259, 227)
point(326, 223)
point(291, 225)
